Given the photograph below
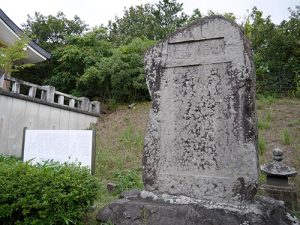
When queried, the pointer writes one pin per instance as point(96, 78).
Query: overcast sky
point(97, 12)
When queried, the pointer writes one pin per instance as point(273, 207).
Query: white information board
point(71, 146)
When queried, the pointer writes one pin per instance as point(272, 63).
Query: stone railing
point(48, 94)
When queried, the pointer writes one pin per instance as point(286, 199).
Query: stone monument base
point(145, 208)
point(286, 193)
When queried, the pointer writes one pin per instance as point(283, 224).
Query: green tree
point(277, 51)
point(71, 61)
point(128, 80)
point(169, 16)
point(50, 31)
point(120, 77)
point(196, 14)
point(151, 21)
point(247, 27)
point(11, 53)
point(137, 21)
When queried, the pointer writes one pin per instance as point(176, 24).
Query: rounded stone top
point(277, 154)
point(277, 168)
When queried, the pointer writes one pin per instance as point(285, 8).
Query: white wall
point(15, 114)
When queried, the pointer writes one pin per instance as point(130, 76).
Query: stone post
point(32, 92)
point(16, 87)
point(4, 84)
point(97, 107)
point(2, 81)
point(61, 100)
point(72, 103)
point(49, 95)
point(90, 107)
point(43, 95)
point(277, 185)
point(84, 103)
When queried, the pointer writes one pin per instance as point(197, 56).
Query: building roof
point(10, 32)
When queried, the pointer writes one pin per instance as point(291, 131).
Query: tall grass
point(262, 144)
point(286, 137)
point(265, 100)
point(119, 158)
point(265, 121)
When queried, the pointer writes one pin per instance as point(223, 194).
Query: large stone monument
point(201, 138)
point(200, 156)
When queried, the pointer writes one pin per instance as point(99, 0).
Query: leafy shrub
point(297, 89)
point(112, 104)
point(44, 194)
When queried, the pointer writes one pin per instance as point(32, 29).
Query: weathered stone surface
point(287, 194)
point(130, 194)
point(201, 137)
point(277, 168)
point(185, 211)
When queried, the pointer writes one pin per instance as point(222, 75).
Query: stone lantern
point(277, 185)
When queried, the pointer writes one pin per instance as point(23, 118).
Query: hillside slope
point(121, 135)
